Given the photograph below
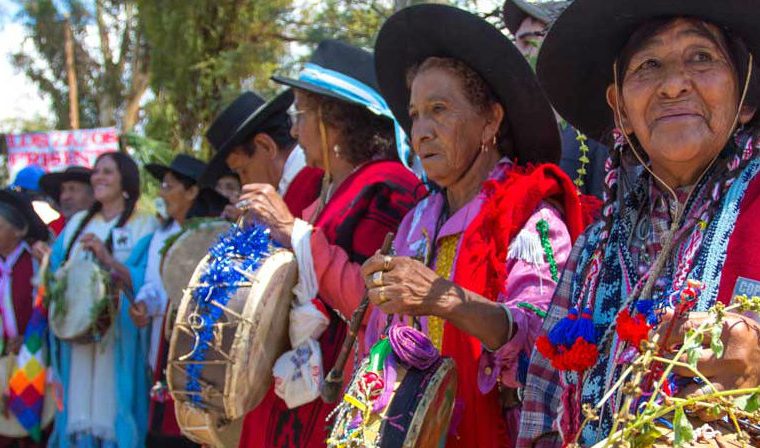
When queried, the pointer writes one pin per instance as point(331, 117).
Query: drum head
point(263, 336)
point(85, 289)
point(248, 337)
point(181, 259)
point(9, 425)
point(207, 429)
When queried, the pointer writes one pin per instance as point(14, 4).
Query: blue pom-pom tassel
point(648, 309)
point(241, 248)
point(569, 329)
point(571, 343)
point(562, 334)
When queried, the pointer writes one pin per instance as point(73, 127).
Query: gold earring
point(483, 148)
point(336, 150)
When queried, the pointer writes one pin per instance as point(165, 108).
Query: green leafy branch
point(639, 429)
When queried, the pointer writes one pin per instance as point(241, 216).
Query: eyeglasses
point(295, 114)
point(166, 186)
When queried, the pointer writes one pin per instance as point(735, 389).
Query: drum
point(207, 428)
point(243, 338)
point(180, 259)
point(418, 412)
point(81, 305)
point(9, 425)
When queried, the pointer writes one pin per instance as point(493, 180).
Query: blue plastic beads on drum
point(239, 250)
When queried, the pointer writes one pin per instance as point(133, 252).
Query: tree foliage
point(203, 53)
point(111, 74)
point(196, 56)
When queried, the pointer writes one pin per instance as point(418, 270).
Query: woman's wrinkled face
point(106, 181)
point(680, 95)
point(447, 129)
point(305, 128)
point(178, 199)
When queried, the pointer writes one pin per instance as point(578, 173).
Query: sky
point(19, 98)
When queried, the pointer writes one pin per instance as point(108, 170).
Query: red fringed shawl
point(481, 268)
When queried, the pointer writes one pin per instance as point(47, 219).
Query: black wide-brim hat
point(340, 57)
point(51, 183)
point(575, 64)
point(418, 32)
point(37, 230)
point(209, 203)
point(515, 11)
point(183, 165)
point(245, 117)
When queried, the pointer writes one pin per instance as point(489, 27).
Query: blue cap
point(28, 178)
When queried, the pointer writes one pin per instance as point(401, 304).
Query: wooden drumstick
point(333, 383)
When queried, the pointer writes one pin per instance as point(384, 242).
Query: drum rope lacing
point(238, 252)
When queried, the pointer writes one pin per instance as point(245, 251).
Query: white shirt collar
point(293, 165)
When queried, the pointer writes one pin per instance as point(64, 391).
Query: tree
point(202, 54)
point(111, 76)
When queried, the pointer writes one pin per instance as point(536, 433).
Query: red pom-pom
point(581, 356)
point(545, 347)
point(371, 385)
point(631, 329)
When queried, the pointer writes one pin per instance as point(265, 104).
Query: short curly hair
point(476, 90)
point(366, 136)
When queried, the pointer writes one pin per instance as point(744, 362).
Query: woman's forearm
point(472, 313)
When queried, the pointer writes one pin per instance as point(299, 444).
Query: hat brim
point(309, 87)
point(513, 16)
point(208, 203)
point(157, 170)
point(216, 166)
point(218, 162)
point(418, 32)
point(51, 183)
point(575, 64)
point(278, 104)
point(37, 231)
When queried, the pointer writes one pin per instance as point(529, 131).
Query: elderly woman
point(345, 128)
point(19, 227)
point(105, 383)
point(478, 257)
point(677, 81)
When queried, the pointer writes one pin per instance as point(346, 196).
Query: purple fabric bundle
point(412, 347)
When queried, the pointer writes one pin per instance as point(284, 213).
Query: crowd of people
point(514, 227)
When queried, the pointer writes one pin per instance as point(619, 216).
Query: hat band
point(356, 91)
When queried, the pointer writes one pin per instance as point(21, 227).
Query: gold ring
point(387, 263)
point(383, 299)
point(377, 278)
